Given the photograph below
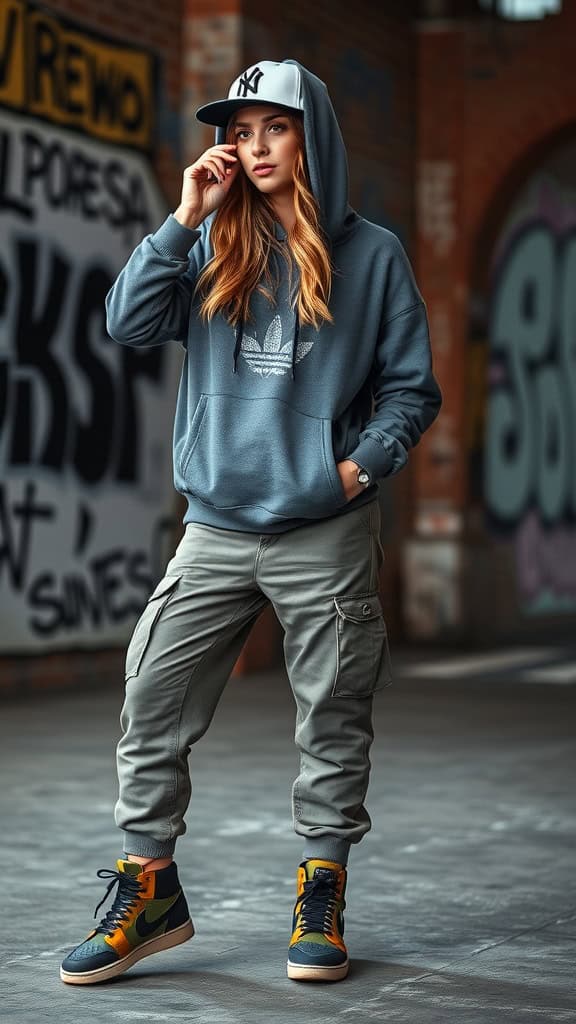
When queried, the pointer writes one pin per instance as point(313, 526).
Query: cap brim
point(220, 112)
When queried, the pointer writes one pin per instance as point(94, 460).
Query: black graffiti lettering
point(3, 362)
point(34, 336)
point(93, 438)
point(76, 599)
point(130, 105)
point(3, 392)
point(57, 69)
point(110, 587)
point(53, 170)
point(113, 208)
point(16, 527)
point(4, 281)
point(7, 201)
point(125, 205)
point(44, 81)
point(71, 75)
point(40, 596)
point(87, 185)
point(79, 185)
point(94, 429)
point(22, 423)
point(115, 96)
point(105, 570)
point(79, 603)
point(61, 67)
point(33, 161)
point(47, 163)
point(128, 209)
point(67, 178)
point(84, 527)
point(104, 87)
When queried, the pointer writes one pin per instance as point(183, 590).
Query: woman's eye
point(244, 131)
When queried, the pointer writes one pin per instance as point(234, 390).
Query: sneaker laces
point(128, 889)
point(317, 904)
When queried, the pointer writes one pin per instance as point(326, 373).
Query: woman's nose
point(258, 145)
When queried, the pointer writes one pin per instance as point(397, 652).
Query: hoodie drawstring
point(295, 343)
point(238, 345)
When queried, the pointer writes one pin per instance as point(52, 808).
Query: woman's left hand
point(347, 471)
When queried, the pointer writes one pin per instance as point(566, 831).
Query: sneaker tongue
point(129, 867)
point(321, 869)
point(324, 873)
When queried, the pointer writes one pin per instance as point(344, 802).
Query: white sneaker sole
point(299, 972)
point(172, 938)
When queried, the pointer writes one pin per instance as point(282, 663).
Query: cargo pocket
point(143, 629)
point(362, 655)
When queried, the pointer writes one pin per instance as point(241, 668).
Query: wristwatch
point(363, 477)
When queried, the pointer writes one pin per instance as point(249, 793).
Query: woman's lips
point(261, 171)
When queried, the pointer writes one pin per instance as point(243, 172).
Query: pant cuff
point(146, 846)
point(327, 848)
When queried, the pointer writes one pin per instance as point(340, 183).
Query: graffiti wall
point(85, 424)
point(529, 463)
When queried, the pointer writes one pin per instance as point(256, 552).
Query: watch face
point(363, 477)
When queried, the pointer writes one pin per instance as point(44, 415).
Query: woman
point(307, 377)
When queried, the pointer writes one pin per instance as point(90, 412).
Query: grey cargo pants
point(322, 579)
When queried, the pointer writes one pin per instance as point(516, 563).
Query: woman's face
point(265, 136)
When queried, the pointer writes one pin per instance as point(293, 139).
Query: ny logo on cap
point(249, 82)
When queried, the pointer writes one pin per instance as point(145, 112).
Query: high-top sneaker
point(149, 913)
point(317, 951)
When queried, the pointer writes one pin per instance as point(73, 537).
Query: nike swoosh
point(144, 927)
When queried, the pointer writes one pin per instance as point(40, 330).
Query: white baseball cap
point(267, 81)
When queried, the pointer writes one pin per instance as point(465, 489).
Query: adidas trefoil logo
point(273, 356)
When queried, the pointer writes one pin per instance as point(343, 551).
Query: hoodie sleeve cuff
point(173, 239)
point(377, 460)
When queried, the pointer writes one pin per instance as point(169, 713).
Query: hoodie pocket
point(243, 452)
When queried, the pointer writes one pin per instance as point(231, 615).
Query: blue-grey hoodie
point(266, 411)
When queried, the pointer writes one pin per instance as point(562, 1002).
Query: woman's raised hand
point(206, 183)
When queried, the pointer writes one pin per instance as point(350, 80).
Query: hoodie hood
point(325, 154)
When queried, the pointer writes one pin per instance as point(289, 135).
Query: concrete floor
point(461, 900)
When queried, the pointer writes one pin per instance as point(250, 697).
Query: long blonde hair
point(242, 237)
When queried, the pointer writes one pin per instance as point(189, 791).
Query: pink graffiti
point(545, 559)
point(554, 208)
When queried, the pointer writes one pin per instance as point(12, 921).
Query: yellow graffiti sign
point(12, 91)
point(63, 74)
